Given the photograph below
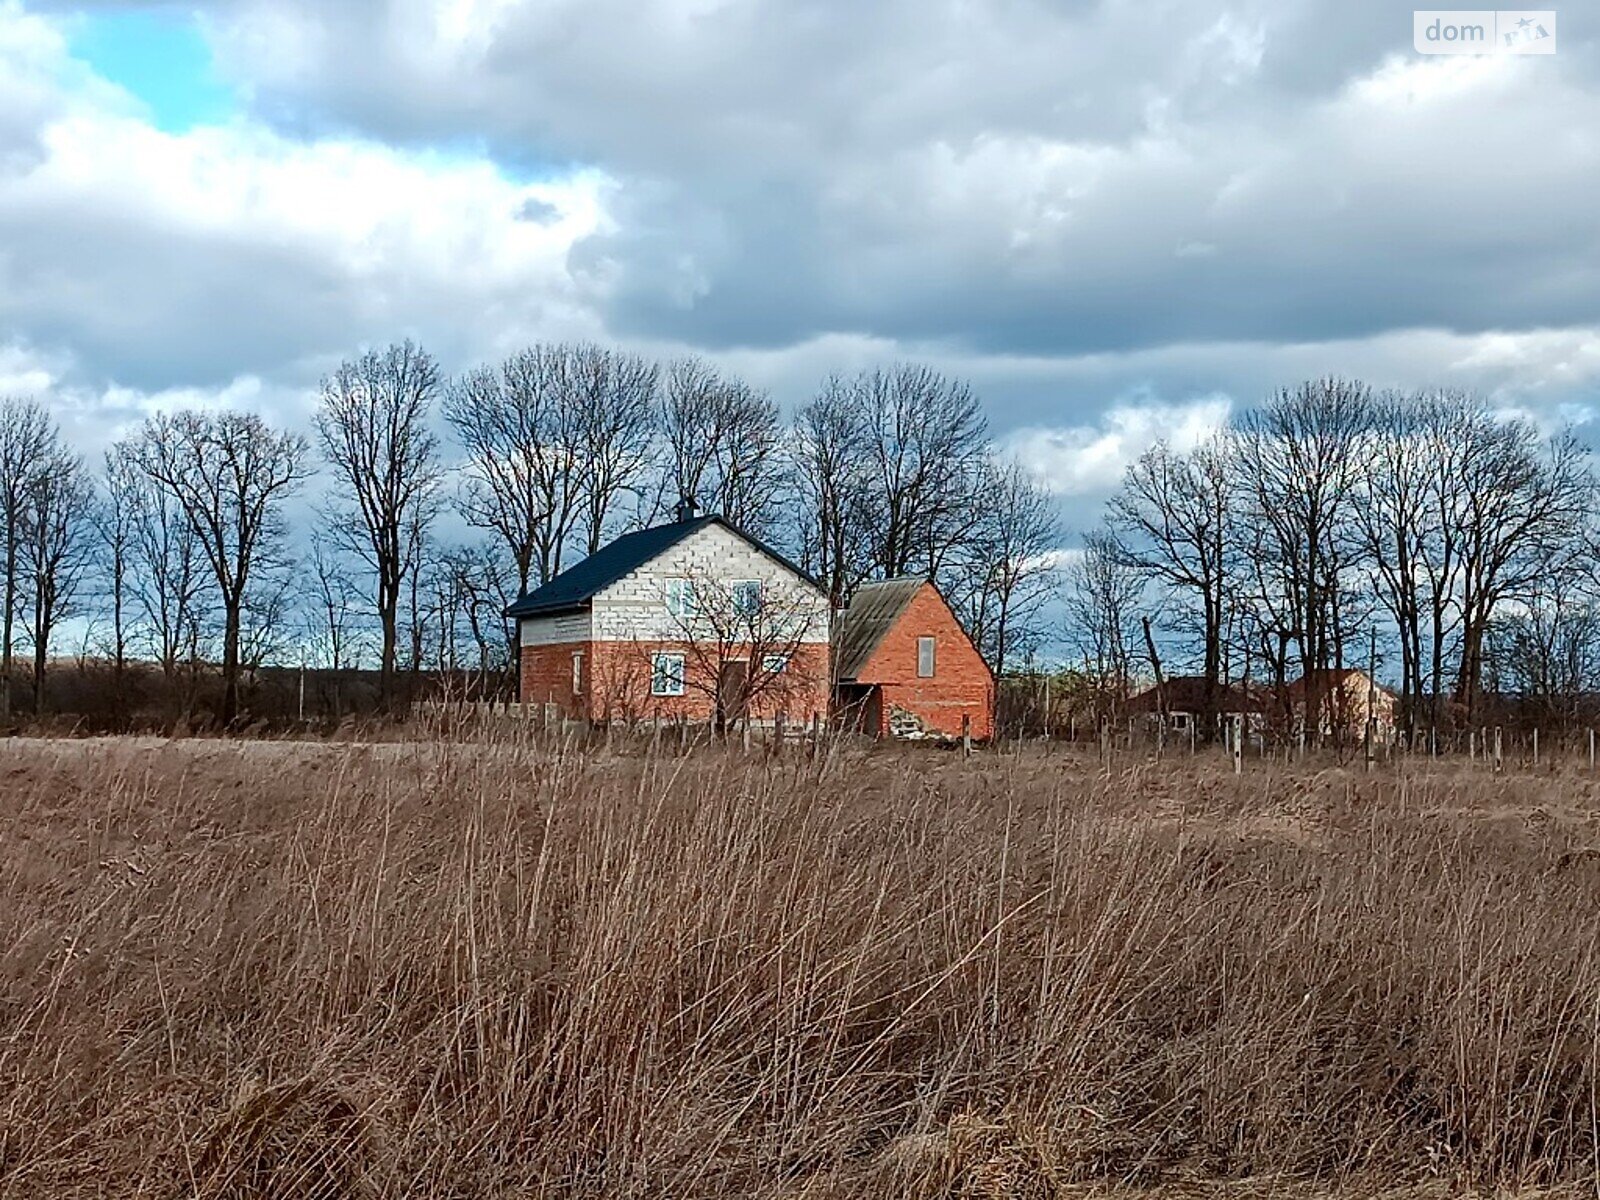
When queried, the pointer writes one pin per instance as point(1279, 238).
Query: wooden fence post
point(1499, 746)
point(966, 734)
point(1591, 749)
point(777, 734)
point(1238, 745)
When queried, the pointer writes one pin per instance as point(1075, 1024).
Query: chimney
point(687, 508)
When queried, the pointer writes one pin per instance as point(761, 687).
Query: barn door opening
point(731, 687)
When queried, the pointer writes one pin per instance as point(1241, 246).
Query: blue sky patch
point(160, 57)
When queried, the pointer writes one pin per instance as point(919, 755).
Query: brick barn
point(692, 620)
point(905, 666)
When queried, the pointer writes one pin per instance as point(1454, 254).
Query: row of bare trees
point(1460, 538)
point(214, 541)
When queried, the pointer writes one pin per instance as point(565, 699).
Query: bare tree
point(330, 600)
point(26, 436)
point(167, 570)
point(479, 592)
point(616, 420)
point(1394, 521)
point(57, 550)
point(116, 521)
point(926, 442)
point(1006, 566)
point(725, 443)
point(742, 644)
point(833, 479)
point(374, 429)
point(1525, 499)
point(1102, 593)
point(1547, 648)
point(1300, 459)
point(229, 474)
point(525, 442)
point(1172, 522)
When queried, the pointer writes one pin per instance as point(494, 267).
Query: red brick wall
point(616, 683)
point(961, 683)
point(547, 676)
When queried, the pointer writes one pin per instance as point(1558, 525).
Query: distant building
point(1185, 701)
point(1344, 698)
point(906, 668)
point(693, 620)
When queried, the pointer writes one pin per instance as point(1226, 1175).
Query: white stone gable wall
point(555, 631)
point(635, 607)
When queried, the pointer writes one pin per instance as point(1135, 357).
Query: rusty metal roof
point(873, 610)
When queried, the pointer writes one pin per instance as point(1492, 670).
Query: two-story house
point(691, 620)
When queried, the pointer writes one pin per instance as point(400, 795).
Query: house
point(693, 620)
point(1185, 697)
point(1344, 698)
point(904, 667)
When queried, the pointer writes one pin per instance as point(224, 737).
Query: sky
point(1119, 221)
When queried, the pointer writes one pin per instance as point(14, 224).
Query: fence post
point(1536, 745)
point(777, 734)
point(1238, 745)
point(1499, 757)
point(966, 734)
point(1591, 749)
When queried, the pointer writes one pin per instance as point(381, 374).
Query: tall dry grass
point(493, 970)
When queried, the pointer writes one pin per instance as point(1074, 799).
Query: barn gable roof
point(579, 584)
point(873, 610)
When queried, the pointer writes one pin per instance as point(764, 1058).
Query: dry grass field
point(452, 969)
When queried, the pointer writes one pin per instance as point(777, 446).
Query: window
point(925, 647)
point(681, 598)
point(577, 673)
point(746, 596)
point(666, 675)
point(774, 664)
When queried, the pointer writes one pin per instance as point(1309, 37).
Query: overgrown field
point(494, 970)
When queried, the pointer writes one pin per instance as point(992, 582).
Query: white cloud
point(164, 260)
point(1090, 460)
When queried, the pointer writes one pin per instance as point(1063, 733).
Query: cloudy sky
point(1118, 219)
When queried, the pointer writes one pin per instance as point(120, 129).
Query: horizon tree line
point(177, 551)
point(1333, 518)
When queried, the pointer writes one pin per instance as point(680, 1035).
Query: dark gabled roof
point(1187, 693)
point(579, 584)
point(874, 608)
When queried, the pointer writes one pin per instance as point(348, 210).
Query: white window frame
point(740, 587)
point(664, 681)
point(931, 645)
point(577, 672)
point(679, 592)
point(767, 661)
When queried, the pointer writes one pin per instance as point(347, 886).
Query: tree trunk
point(230, 663)
point(41, 656)
point(10, 624)
point(386, 665)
